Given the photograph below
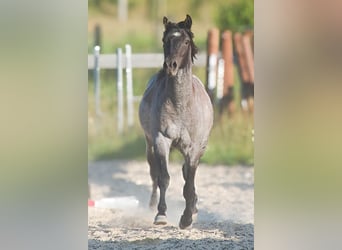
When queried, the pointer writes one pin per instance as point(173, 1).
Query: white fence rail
point(148, 60)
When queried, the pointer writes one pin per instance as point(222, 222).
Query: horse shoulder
point(199, 92)
point(150, 86)
point(203, 106)
point(145, 106)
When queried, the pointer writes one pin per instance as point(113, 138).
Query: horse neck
point(180, 86)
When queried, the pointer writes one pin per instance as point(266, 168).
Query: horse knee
point(164, 181)
point(189, 192)
point(154, 173)
point(193, 163)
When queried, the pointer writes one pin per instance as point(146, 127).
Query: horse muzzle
point(171, 67)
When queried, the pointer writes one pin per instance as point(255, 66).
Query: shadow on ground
point(106, 175)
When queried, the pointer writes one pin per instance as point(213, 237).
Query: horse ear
point(165, 20)
point(188, 22)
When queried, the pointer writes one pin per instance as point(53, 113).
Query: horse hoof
point(185, 223)
point(160, 220)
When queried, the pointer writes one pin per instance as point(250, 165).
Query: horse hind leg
point(154, 196)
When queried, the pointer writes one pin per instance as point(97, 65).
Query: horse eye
point(186, 42)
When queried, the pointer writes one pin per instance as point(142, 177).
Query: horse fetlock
point(189, 194)
point(162, 208)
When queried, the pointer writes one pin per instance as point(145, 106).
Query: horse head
point(179, 47)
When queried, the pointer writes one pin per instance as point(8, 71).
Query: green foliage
point(97, 3)
point(237, 16)
point(230, 141)
point(194, 6)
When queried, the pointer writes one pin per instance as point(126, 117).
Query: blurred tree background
point(139, 23)
point(237, 16)
point(143, 28)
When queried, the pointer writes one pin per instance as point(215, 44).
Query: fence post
point(97, 81)
point(220, 80)
point(249, 57)
point(122, 10)
point(212, 53)
point(129, 86)
point(97, 35)
point(246, 41)
point(243, 72)
point(228, 89)
point(119, 83)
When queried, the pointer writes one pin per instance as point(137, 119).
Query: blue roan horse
point(175, 112)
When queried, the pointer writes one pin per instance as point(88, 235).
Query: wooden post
point(228, 79)
point(249, 57)
point(250, 68)
point(250, 34)
point(243, 71)
point(241, 58)
point(212, 53)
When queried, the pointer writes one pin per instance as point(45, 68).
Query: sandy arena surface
point(225, 218)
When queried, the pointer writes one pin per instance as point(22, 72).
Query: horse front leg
point(189, 193)
point(185, 171)
point(154, 173)
point(161, 153)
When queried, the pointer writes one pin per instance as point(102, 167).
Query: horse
point(175, 112)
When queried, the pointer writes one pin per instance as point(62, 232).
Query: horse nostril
point(174, 65)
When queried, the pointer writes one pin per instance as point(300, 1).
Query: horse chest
point(176, 132)
point(170, 130)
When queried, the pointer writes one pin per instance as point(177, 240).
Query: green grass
point(231, 141)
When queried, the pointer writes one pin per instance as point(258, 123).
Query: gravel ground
point(225, 218)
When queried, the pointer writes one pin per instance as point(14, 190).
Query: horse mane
point(182, 25)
